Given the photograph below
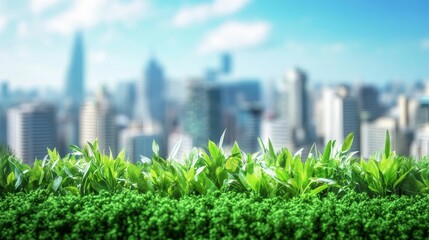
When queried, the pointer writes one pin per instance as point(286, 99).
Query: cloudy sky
point(333, 40)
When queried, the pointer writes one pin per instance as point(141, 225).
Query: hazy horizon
point(333, 41)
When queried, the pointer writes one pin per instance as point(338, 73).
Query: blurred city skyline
point(333, 41)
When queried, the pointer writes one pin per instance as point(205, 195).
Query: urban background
point(132, 72)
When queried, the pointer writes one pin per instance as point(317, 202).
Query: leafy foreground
point(266, 173)
point(216, 215)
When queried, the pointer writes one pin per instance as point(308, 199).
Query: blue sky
point(333, 40)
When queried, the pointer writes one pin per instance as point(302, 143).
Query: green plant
point(266, 173)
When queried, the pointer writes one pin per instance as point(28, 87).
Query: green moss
point(217, 215)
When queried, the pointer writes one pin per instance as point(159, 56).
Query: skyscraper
point(420, 145)
point(226, 67)
point(75, 76)
point(298, 113)
point(369, 105)
point(341, 116)
point(97, 121)
point(138, 142)
point(31, 129)
point(203, 112)
point(3, 126)
point(249, 126)
point(125, 98)
point(277, 128)
point(154, 91)
point(374, 135)
point(68, 117)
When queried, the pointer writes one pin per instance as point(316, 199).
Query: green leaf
point(221, 175)
point(327, 151)
point(231, 164)
point(10, 178)
point(236, 151)
point(57, 183)
point(318, 190)
point(221, 139)
point(348, 142)
point(387, 145)
point(271, 149)
point(72, 189)
point(155, 148)
point(253, 182)
point(282, 175)
point(401, 178)
point(175, 150)
point(213, 149)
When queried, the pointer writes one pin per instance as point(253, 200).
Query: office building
point(137, 142)
point(97, 121)
point(369, 105)
point(76, 72)
point(249, 126)
point(31, 129)
point(374, 135)
point(341, 116)
point(203, 115)
point(125, 98)
point(298, 107)
point(420, 145)
point(155, 91)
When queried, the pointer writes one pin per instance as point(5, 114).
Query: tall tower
point(203, 120)
point(341, 116)
point(31, 129)
point(155, 91)
point(97, 121)
point(75, 76)
point(298, 105)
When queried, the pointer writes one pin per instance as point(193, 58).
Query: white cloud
point(202, 12)
point(39, 6)
point(235, 35)
point(3, 22)
point(97, 56)
point(86, 14)
point(22, 29)
point(425, 44)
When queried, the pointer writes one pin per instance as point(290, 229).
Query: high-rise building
point(374, 135)
point(369, 105)
point(4, 91)
point(76, 72)
point(249, 126)
point(68, 116)
point(97, 121)
point(138, 142)
point(226, 63)
point(31, 129)
point(125, 98)
point(3, 127)
point(403, 112)
point(341, 116)
point(422, 114)
point(298, 108)
point(154, 91)
point(203, 119)
point(4, 104)
point(420, 145)
point(276, 128)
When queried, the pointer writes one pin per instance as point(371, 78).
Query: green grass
point(132, 215)
point(266, 173)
